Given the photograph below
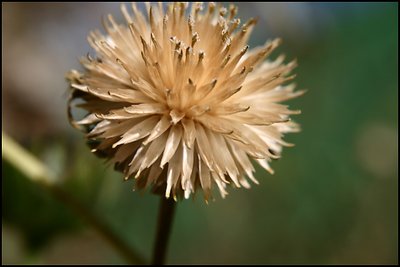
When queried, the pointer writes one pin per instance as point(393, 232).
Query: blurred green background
point(332, 200)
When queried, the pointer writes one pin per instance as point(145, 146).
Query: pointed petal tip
point(115, 145)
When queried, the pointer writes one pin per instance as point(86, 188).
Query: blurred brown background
point(332, 200)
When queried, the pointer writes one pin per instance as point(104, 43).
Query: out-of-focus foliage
point(333, 198)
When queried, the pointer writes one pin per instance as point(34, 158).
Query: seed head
point(179, 102)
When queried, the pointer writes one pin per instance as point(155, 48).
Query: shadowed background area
point(332, 199)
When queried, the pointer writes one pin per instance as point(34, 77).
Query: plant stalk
point(164, 225)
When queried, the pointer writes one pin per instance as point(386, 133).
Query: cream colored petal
point(119, 128)
point(224, 161)
point(179, 162)
point(265, 81)
point(118, 95)
point(256, 56)
point(239, 38)
point(282, 95)
point(186, 95)
point(174, 138)
point(117, 33)
point(159, 129)
point(252, 118)
point(252, 141)
point(193, 182)
point(187, 166)
point(274, 108)
point(244, 182)
point(264, 163)
point(228, 85)
point(219, 125)
point(221, 185)
point(228, 109)
point(205, 177)
point(243, 160)
point(89, 119)
point(189, 133)
point(121, 114)
point(99, 128)
point(203, 146)
point(271, 137)
point(99, 80)
point(140, 20)
point(153, 108)
point(176, 116)
point(197, 111)
point(129, 95)
point(137, 161)
point(138, 131)
point(287, 127)
point(220, 96)
point(148, 90)
point(252, 150)
point(112, 71)
point(270, 94)
point(204, 90)
point(173, 174)
point(154, 151)
point(233, 63)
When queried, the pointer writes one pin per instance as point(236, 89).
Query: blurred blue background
point(332, 200)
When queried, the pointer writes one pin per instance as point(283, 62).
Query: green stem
point(37, 172)
point(165, 218)
point(94, 221)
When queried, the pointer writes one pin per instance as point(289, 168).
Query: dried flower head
point(184, 95)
